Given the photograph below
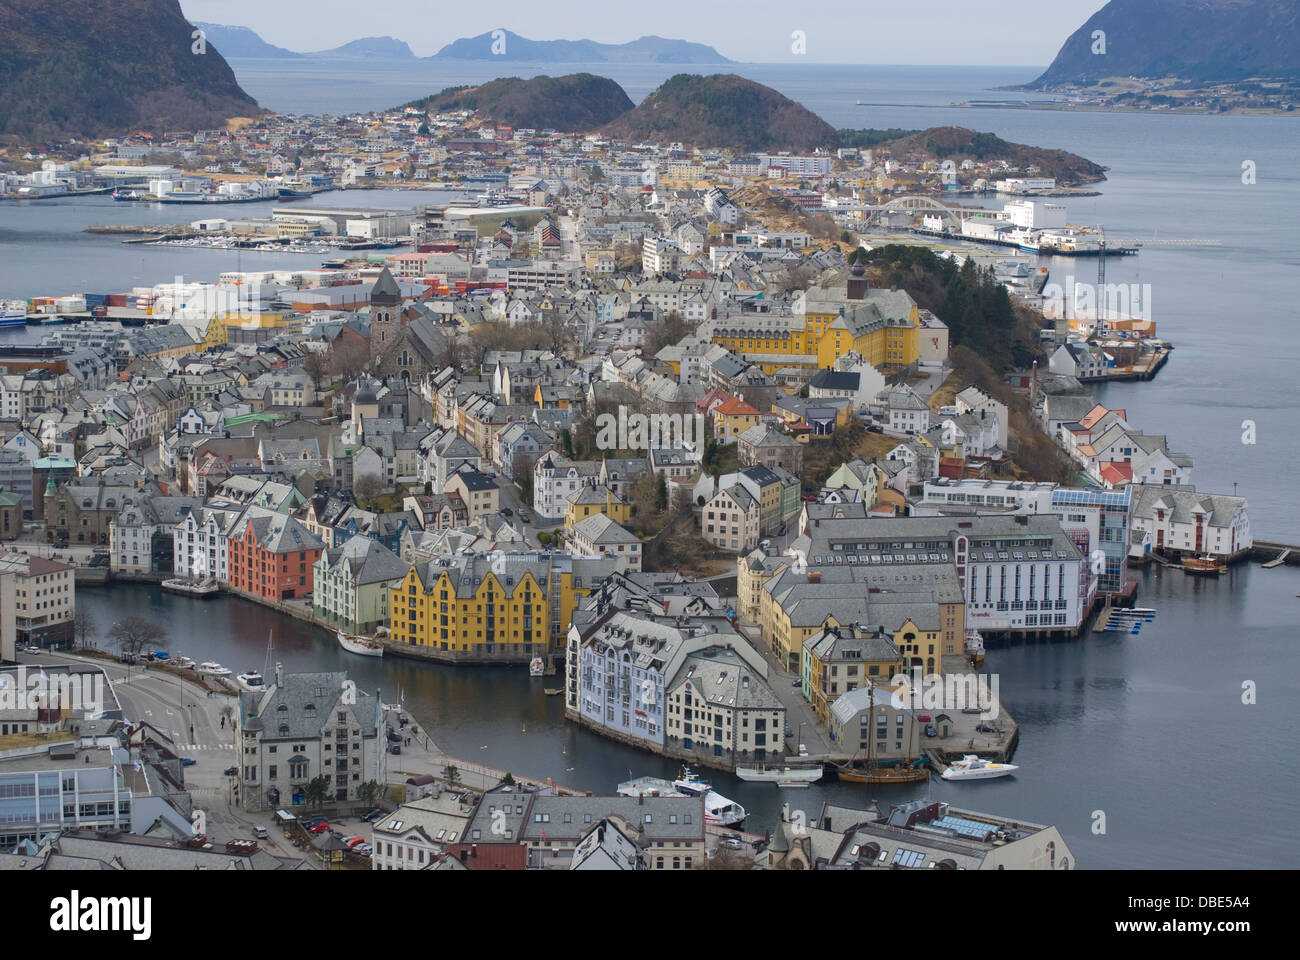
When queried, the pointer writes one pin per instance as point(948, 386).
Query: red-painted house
point(272, 556)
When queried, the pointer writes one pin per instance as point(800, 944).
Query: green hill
point(575, 102)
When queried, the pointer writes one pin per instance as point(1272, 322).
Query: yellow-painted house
point(484, 607)
point(591, 499)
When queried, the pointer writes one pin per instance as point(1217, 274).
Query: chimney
point(279, 675)
point(856, 287)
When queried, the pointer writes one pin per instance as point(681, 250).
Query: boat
point(184, 662)
point(971, 767)
point(252, 682)
point(878, 774)
point(689, 782)
point(192, 588)
point(975, 647)
point(129, 195)
point(1205, 566)
point(211, 668)
point(718, 809)
point(13, 313)
point(537, 667)
point(361, 646)
point(782, 776)
point(552, 691)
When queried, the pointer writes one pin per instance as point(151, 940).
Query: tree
point(133, 634)
point(451, 774)
point(366, 487)
point(317, 791)
point(84, 626)
point(371, 791)
point(522, 466)
point(508, 780)
point(316, 366)
point(727, 858)
point(348, 358)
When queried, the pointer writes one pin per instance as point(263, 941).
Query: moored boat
point(537, 667)
point(1205, 566)
point(718, 810)
point(360, 645)
point(971, 767)
point(252, 681)
point(782, 776)
point(210, 668)
point(192, 588)
point(13, 313)
point(878, 774)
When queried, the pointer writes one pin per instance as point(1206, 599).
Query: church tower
point(385, 314)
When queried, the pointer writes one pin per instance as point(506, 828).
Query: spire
point(386, 292)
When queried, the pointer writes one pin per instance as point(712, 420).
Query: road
point(201, 729)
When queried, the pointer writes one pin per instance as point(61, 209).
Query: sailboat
point(871, 772)
point(252, 681)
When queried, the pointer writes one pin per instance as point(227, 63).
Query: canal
point(1147, 731)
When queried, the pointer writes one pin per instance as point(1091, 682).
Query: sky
point(957, 32)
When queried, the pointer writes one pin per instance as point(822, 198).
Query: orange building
point(272, 556)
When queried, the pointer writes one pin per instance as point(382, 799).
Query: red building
point(272, 556)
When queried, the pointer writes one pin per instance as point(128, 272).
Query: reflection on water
point(1129, 725)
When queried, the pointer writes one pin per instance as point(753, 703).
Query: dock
point(1281, 559)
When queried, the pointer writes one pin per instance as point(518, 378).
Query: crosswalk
point(205, 746)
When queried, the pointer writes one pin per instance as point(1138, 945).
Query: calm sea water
point(1149, 729)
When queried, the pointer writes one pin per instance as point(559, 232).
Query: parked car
point(525, 516)
point(353, 841)
point(972, 709)
point(395, 748)
point(363, 849)
point(230, 772)
point(188, 761)
point(923, 718)
point(32, 648)
point(732, 841)
point(507, 512)
point(372, 816)
point(798, 682)
point(311, 822)
point(259, 833)
point(318, 828)
point(986, 728)
point(930, 731)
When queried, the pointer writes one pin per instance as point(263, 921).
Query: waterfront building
point(141, 539)
point(44, 599)
point(201, 542)
point(1018, 573)
point(1177, 520)
point(503, 607)
point(720, 707)
point(867, 722)
point(273, 556)
point(304, 726)
point(351, 585)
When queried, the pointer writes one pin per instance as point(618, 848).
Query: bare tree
point(316, 366)
point(348, 359)
point(366, 487)
point(134, 633)
point(727, 858)
point(84, 626)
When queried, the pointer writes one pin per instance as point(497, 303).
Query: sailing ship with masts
point(911, 767)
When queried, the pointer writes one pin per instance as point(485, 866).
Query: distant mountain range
point(504, 45)
point(501, 45)
point(243, 42)
point(68, 69)
point(1191, 39)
